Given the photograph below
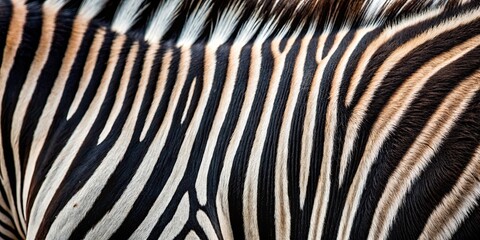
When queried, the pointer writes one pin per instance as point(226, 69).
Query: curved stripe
point(160, 85)
point(192, 236)
point(420, 153)
point(358, 184)
point(88, 69)
point(455, 207)
point(385, 36)
point(220, 115)
point(175, 225)
point(124, 204)
point(338, 77)
point(14, 38)
point(121, 93)
point(309, 122)
point(26, 93)
point(359, 111)
point(250, 192)
point(322, 193)
point(64, 159)
point(222, 203)
point(206, 224)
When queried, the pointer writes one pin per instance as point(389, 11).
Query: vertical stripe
point(160, 86)
point(282, 201)
point(309, 122)
point(41, 56)
point(206, 224)
point(177, 223)
point(121, 93)
point(83, 200)
point(146, 168)
point(221, 112)
point(65, 157)
point(189, 100)
point(90, 64)
point(322, 193)
point(250, 193)
point(223, 189)
point(14, 38)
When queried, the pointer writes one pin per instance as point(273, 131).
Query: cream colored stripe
point(338, 77)
point(6, 220)
point(310, 115)
point(420, 154)
point(192, 235)
point(222, 202)
point(121, 93)
point(88, 69)
point(160, 85)
point(385, 36)
point(86, 196)
point(178, 221)
point(189, 99)
point(178, 171)
point(221, 112)
point(358, 184)
point(360, 110)
point(110, 222)
point(282, 201)
point(13, 40)
point(250, 191)
point(144, 171)
point(206, 223)
point(3, 201)
point(406, 94)
point(7, 232)
point(322, 193)
point(53, 100)
point(456, 206)
point(28, 88)
point(62, 163)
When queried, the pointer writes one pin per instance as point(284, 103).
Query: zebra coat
point(284, 119)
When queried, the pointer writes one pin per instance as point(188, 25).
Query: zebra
point(286, 119)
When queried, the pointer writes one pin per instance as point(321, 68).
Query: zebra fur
point(235, 120)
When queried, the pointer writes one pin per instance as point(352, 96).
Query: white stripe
point(457, 205)
point(205, 222)
point(175, 225)
point(64, 159)
point(90, 8)
point(160, 85)
point(162, 20)
point(222, 202)
point(323, 187)
point(420, 154)
point(250, 191)
point(126, 15)
point(193, 27)
point(13, 40)
point(124, 204)
point(358, 184)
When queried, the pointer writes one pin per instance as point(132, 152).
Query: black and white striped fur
point(183, 119)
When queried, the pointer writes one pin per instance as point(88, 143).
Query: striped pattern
point(338, 133)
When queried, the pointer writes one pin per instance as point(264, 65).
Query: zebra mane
point(218, 21)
